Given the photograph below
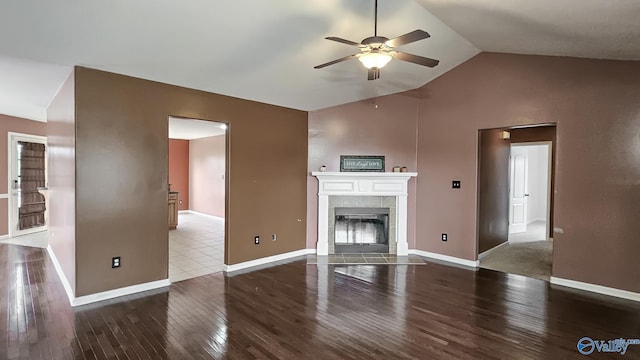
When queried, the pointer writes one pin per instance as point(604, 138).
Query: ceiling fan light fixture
point(375, 59)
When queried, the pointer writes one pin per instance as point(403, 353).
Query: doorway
point(530, 191)
point(515, 200)
point(27, 182)
point(197, 197)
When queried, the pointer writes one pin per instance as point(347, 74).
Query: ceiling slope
point(601, 29)
point(252, 49)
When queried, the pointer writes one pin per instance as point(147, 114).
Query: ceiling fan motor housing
point(374, 40)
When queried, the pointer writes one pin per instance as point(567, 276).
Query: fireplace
point(361, 230)
point(362, 190)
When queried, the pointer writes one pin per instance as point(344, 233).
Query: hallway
point(527, 254)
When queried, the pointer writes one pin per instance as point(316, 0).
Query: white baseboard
point(63, 278)
point(447, 258)
point(110, 294)
point(265, 260)
point(201, 214)
point(629, 295)
point(128, 290)
point(488, 252)
point(531, 221)
point(4, 237)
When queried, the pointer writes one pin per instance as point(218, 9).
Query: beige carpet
point(532, 259)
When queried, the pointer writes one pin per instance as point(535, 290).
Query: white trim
point(265, 260)
point(5, 236)
point(61, 275)
point(447, 258)
point(485, 253)
point(11, 156)
point(4, 196)
point(629, 295)
point(109, 294)
point(363, 184)
point(311, 251)
point(201, 214)
point(128, 290)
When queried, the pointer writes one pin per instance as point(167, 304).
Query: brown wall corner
point(61, 126)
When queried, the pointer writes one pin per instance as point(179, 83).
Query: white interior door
point(518, 196)
point(15, 180)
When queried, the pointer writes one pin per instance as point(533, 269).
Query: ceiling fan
point(376, 51)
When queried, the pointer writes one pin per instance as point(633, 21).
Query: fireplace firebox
point(361, 230)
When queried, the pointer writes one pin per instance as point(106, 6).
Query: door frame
point(549, 169)
point(12, 138)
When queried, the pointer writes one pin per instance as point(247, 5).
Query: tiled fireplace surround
point(363, 189)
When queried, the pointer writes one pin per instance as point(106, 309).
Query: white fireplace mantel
point(363, 184)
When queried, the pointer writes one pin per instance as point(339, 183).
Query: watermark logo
point(586, 345)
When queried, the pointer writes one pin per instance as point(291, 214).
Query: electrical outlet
point(273, 237)
point(256, 240)
point(444, 237)
point(115, 262)
point(455, 184)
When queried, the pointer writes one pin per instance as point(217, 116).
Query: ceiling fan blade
point(373, 73)
point(408, 38)
point(343, 41)
point(334, 62)
point(420, 60)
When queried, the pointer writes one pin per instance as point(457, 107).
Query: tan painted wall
point(121, 162)
point(179, 171)
point(596, 108)
point(17, 125)
point(206, 175)
point(360, 128)
point(62, 182)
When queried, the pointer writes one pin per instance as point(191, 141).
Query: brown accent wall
point(493, 182)
point(597, 193)
point(17, 125)
point(535, 134)
point(179, 170)
point(361, 128)
point(206, 175)
point(62, 182)
point(121, 162)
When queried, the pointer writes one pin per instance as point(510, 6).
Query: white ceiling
point(265, 50)
point(602, 29)
point(253, 49)
point(191, 129)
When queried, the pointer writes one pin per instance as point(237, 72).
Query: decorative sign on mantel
point(361, 163)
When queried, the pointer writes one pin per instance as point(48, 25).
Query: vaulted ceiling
point(266, 50)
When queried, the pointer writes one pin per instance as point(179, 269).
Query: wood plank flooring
point(300, 311)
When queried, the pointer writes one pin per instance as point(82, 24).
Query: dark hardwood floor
point(300, 311)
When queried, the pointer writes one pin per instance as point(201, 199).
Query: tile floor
point(196, 247)
point(365, 259)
